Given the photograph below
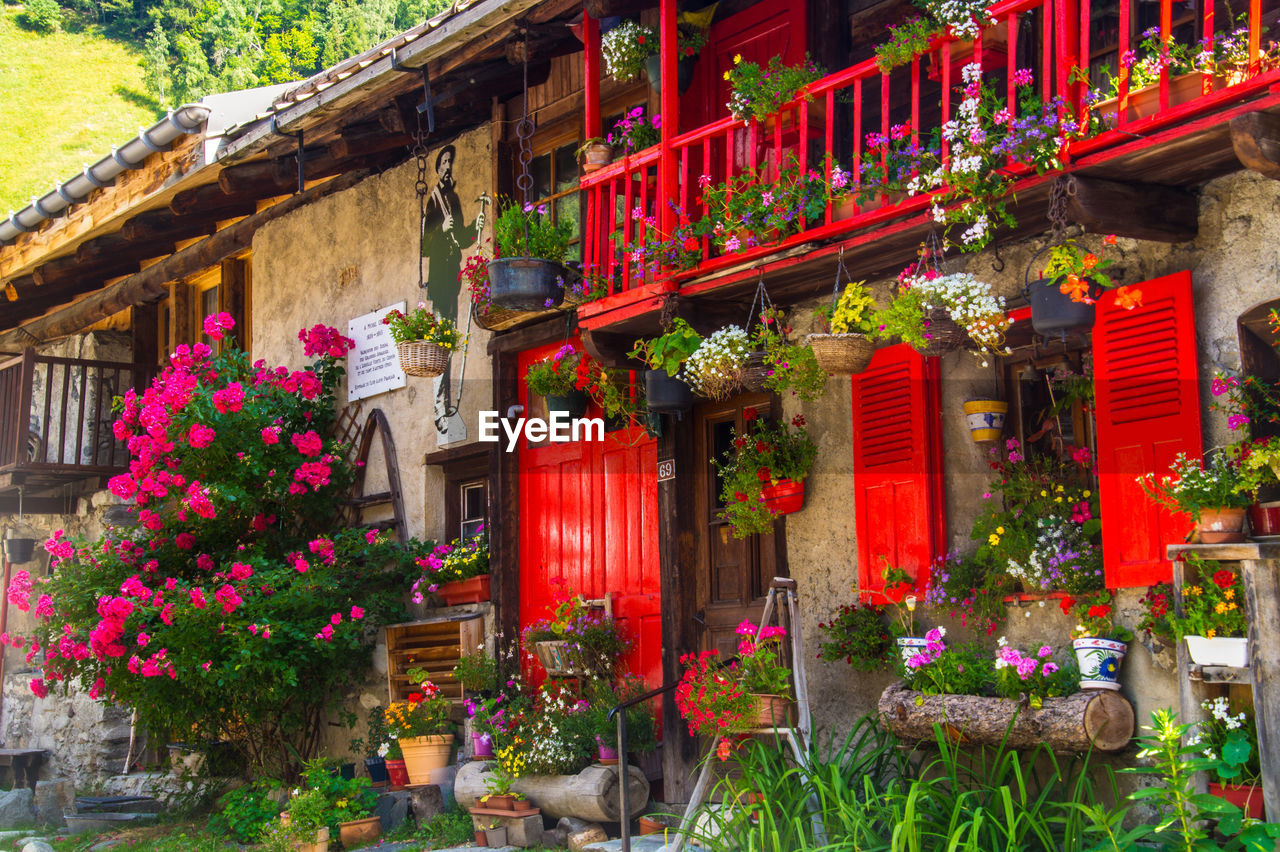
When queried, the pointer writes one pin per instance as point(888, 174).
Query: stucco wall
point(1233, 264)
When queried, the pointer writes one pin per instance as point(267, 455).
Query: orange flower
point(1109, 239)
point(1089, 261)
point(1129, 298)
point(1075, 287)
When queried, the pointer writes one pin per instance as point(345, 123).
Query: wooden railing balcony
point(827, 130)
point(56, 417)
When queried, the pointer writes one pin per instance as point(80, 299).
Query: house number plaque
point(666, 469)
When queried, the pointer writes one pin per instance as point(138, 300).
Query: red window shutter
point(1148, 411)
point(898, 496)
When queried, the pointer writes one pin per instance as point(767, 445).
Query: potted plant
point(373, 747)
point(528, 272)
point(495, 834)
point(711, 700)
point(303, 827)
point(899, 592)
point(556, 379)
point(497, 784)
point(857, 634)
point(458, 572)
point(715, 368)
point(604, 695)
point(1213, 492)
point(934, 312)
point(625, 49)
point(760, 92)
point(762, 473)
point(1213, 620)
point(757, 208)
point(423, 340)
point(847, 349)
point(1100, 644)
point(1062, 299)
point(787, 366)
point(577, 639)
point(665, 357)
point(635, 131)
point(763, 675)
point(1230, 740)
point(421, 727)
point(596, 153)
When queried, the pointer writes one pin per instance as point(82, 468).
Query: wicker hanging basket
point(755, 372)
point(841, 354)
point(945, 335)
point(422, 359)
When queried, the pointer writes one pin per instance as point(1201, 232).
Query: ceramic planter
point(1054, 313)
point(1264, 519)
point(909, 646)
point(1221, 526)
point(664, 393)
point(605, 753)
point(397, 774)
point(1219, 651)
point(481, 745)
point(473, 590)
point(596, 157)
point(496, 836)
point(1099, 661)
point(784, 498)
point(359, 833)
point(770, 711)
point(985, 418)
point(572, 404)
point(526, 283)
point(1246, 797)
point(377, 769)
point(424, 755)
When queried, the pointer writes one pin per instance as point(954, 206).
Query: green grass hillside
point(65, 99)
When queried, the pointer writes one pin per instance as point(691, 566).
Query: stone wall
point(1233, 265)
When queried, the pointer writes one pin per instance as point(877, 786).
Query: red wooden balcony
point(55, 425)
point(1160, 134)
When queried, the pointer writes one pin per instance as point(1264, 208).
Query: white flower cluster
point(971, 304)
point(625, 48)
point(964, 17)
point(715, 369)
point(550, 749)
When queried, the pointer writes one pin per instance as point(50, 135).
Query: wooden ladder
point(781, 603)
point(348, 429)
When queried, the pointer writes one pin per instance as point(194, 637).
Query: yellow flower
point(1209, 634)
point(1194, 590)
point(726, 75)
point(1229, 594)
point(1059, 488)
point(737, 59)
point(1044, 493)
point(1220, 608)
point(993, 539)
point(1057, 499)
point(1087, 493)
point(1231, 606)
point(1000, 530)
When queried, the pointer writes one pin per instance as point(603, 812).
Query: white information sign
point(373, 367)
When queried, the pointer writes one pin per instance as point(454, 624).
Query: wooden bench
point(23, 761)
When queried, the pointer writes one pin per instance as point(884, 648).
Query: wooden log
point(164, 225)
point(1099, 719)
point(210, 200)
point(1144, 211)
point(1255, 136)
point(592, 794)
point(151, 283)
point(610, 349)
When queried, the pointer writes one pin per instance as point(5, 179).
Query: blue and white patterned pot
point(909, 646)
point(1099, 661)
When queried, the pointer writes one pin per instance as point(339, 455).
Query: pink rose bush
point(204, 614)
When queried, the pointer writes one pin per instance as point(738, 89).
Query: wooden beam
point(504, 525)
point(233, 297)
point(366, 138)
point(151, 283)
point(210, 200)
point(164, 225)
point(102, 258)
point(1144, 211)
point(608, 348)
point(1255, 136)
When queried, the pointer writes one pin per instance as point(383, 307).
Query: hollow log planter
point(1099, 719)
point(592, 794)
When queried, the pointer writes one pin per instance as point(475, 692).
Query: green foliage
point(852, 312)
point(525, 230)
point(345, 799)
point(447, 829)
point(1212, 603)
point(671, 350)
point(246, 811)
point(769, 210)
point(41, 16)
point(763, 454)
point(759, 92)
point(555, 376)
point(858, 635)
point(906, 41)
point(422, 324)
point(790, 366)
point(1194, 486)
point(477, 672)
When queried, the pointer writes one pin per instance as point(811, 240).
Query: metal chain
point(762, 299)
point(420, 187)
point(1061, 192)
point(835, 290)
point(524, 132)
point(669, 306)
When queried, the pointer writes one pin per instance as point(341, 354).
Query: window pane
point(473, 502)
point(566, 167)
point(540, 169)
point(471, 528)
point(567, 210)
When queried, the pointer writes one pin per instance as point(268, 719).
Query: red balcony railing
point(1050, 38)
point(56, 414)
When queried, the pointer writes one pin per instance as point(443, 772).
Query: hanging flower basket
point(422, 359)
point(19, 550)
point(526, 283)
point(945, 335)
point(784, 498)
point(841, 354)
point(1054, 313)
point(755, 372)
point(665, 393)
point(684, 72)
point(986, 418)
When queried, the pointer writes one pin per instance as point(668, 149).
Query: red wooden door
point(898, 497)
point(1148, 411)
point(589, 514)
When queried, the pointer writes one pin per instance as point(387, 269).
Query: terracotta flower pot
point(649, 825)
point(473, 590)
point(597, 156)
point(480, 839)
point(1220, 526)
point(1247, 797)
point(785, 497)
point(424, 755)
point(360, 832)
point(770, 711)
point(396, 773)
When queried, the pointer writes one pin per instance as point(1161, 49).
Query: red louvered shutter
point(1148, 411)
point(898, 497)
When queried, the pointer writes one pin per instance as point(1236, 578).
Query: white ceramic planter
point(1099, 661)
point(1219, 651)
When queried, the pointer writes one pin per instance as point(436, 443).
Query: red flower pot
point(474, 590)
point(1264, 519)
point(397, 773)
point(1247, 797)
point(785, 497)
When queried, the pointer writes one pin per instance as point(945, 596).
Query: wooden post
point(233, 297)
point(670, 110)
point(591, 76)
point(1262, 595)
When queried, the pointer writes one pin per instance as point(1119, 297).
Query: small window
point(474, 504)
point(555, 184)
point(208, 306)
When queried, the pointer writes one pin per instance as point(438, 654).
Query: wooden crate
point(434, 644)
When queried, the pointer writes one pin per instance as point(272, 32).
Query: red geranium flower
point(1066, 604)
point(1224, 579)
point(415, 698)
point(749, 413)
point(764, 474)
point(1100, 611)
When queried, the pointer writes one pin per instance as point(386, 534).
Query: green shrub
point(41, 16)
point(246, 812)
